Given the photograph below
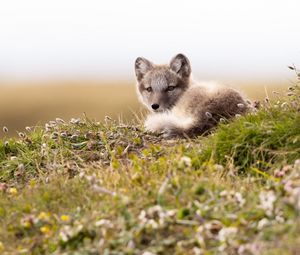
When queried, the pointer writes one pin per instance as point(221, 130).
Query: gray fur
point(184, 108)
point(180, 64)
point(142, 66)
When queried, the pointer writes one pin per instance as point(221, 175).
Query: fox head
point(160, 86)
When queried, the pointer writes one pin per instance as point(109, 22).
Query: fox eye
point(170, 88)
point(149, 89)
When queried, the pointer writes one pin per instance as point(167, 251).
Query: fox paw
point(154, 124)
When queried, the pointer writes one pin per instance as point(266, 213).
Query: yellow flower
point(26, 224)
point(13, 191)
point(44, 216)
point(45, 229)
point(65, 217)
point(32, 183)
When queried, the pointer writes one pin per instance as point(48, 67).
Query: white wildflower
point(106, 118)
point(21, 135)
point(185, 161)
point(68, 232)
point(222, 247)
point(104, 223)
point(59, 120)
point(21, 167)
point(102, 190)
point(155, 216)
point(198, 251)
point(152, 224)
point(142, 216)
point(279, 219)
point(75, 121)
point(218, 167)
point(223, 193)
point(154, 209)
point(47, 127)
point(263, 223)
point(63, 134)
point(64, 234)
point(208, 115)
point(74, 137)
point(241, 201)
point(148, 253)
point(226, 234)
point(267, 200)
point(249, 248)
point(131, 244)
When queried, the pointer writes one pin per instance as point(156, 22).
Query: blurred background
point(63, 58)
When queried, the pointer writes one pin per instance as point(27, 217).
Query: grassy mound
point(85, 187)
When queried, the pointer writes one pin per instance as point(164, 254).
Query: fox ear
point(142, 66)
point(180, 64)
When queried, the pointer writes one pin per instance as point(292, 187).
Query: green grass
point(111, 188)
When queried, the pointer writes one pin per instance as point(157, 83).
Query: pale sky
point(101, 39)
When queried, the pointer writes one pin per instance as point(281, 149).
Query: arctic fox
point(180, 106)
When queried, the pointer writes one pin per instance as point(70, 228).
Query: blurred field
point(32, 103)
point(26, 105)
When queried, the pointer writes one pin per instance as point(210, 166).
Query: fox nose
point(155, 106)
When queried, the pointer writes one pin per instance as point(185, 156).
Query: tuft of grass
point(109, 187)
point(260, 139)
